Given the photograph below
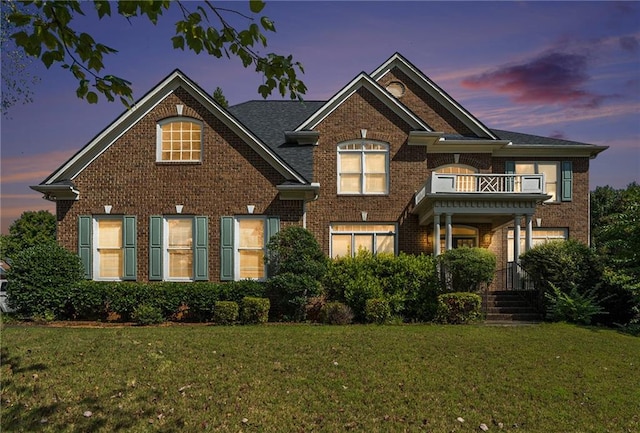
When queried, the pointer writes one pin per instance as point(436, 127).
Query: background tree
point(605, 201)
point(17, 81)
point(31, 229)
point(219, 97)
point(44, 29)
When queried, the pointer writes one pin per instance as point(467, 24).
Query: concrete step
point(505, 317)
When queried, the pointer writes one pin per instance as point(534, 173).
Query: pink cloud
point(554, 77)
point(32, 169)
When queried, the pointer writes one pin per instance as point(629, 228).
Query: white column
point(528, 243)
point(516, 238)
point(436, 235)
point(448, 234)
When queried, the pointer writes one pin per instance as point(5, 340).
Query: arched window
point(363, 167)
point(465, 181)
point(179, 139)
point(456, 169)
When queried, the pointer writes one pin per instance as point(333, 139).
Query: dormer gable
point(397, 63)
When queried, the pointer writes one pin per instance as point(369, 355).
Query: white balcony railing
point(482, 184)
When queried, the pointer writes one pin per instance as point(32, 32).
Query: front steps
point(511, 306)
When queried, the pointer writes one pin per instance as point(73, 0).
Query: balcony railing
point(482, 184)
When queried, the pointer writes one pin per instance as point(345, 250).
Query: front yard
point(301, 378)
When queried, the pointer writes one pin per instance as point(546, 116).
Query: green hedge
point(105, 300)
point(225, 312)
point(466, 269)
point(459, 307)
point(254, 310)
point(408, 283)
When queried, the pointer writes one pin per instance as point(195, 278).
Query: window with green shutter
point(243, 243)
point(107, 247)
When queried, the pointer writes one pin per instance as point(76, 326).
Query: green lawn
point(302, 378)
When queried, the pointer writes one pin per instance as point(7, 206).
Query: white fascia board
point(467, 146)
point(363, 80)
point(434, 90)
point(74, 166)
point(534, 150)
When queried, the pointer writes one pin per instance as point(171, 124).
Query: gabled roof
point(398, 61)
point(364, 81)
point(100, 143)
point(268, 120)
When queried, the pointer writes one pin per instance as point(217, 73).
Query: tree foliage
point(45, 30)
point(219, 97)
point(32, 228)
point(17, 80)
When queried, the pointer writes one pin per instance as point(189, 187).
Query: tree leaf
point(256, 6)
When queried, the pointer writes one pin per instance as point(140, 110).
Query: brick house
point(179, 188)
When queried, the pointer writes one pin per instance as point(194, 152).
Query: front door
point(459, 242)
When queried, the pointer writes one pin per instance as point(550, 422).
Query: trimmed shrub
point(295, 250)
point(573, 307)
point(409, 283)
point(254, 310)
point(314, 307)
point(225, 312)
point(466, 269)
point(146, 314)
point(41, 279)
point(458, 307)
point(336, 313)
point(377, 310)
point(289, 295)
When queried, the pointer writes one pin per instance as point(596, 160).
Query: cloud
point(630, 44)
point(551, 78)
point(32, 168)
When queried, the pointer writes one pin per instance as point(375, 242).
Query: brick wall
point(127, 177)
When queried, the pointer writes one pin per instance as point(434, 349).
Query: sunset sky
point(562, 69)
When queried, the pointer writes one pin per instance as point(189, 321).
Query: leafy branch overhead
point(44, 31)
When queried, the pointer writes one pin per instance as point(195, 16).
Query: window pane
point(525, 168)
point(340, 246)
point(350, 163)
point(179, 139)
point(550, 171)
point(376, 183)
point(363, 242)
point(110, 263)
point(180, 233)
point(251, 264)
point(375, 163)
point(350, 183)
point(180, 263)
point(109, 233)
point(384, 244)
point(251, 233)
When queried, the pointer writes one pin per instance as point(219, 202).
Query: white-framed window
point(551, 171)
point(539, 236)
point(179, 140)
point(178, 248)
point(465, 179)
point(349, 238)
point(108, 252)
point(250, 248)
point(363, 167)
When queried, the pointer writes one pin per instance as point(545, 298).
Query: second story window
point(550, 169)
point(179, 140)
point(363, 167)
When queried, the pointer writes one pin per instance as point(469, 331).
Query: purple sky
point(563, 69)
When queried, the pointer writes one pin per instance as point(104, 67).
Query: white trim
point(397, 60)
point(236, 244)
point(363, 232)
point(362, 152)
point(165, 247)
point(160, 124)
point(95, 261)
point(363, 81)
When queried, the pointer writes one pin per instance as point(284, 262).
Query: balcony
point(477, 198)
point(482, 184)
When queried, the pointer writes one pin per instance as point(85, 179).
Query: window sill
point(178, 162)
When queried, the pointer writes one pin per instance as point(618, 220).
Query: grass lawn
point(303, 378)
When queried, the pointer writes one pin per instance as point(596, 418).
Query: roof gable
point(177, 79)
point(457, 110)
point(363, 81)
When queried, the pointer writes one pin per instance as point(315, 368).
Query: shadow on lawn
point(21, 387)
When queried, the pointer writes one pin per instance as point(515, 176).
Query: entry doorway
point(461, 236)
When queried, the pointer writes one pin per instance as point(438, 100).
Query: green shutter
point(84, 244)
point(155, 248)
point(510, 168)
point(226, 249)
point(273, 227)
point(567, 181)
point(201, 248)
point(129, 242)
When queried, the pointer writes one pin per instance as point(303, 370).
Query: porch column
point(516, 238)
point(447, 234)
point(436, 234)
point(528, 243)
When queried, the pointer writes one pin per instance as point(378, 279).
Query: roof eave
point(57, 192)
